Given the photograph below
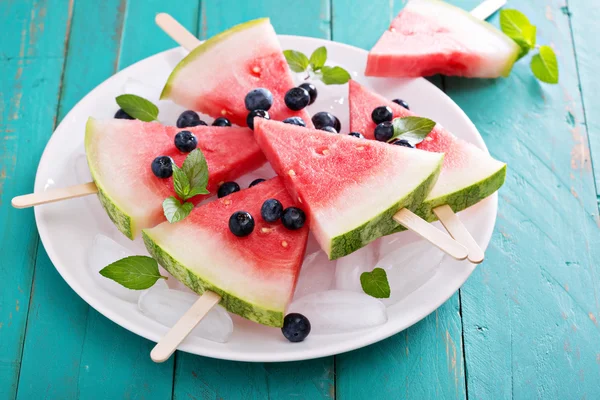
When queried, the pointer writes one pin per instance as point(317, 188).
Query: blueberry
point(256, 113)
point(186, 141)
point(296, 327)
point(162, 167)
point(382, 114)
point(256, 182)
point(312, 91)
point(403, 143)
point(293, 218)
point(241, 223)
point(296, 98)
point(271, 210)
point(384, 131)
point(294, 121)
point(227, 188)
point(188, 119)
point(357, 135)
point(324, 118)
point(221, 121)
point(401, 103)
point(329, 129)
point(258, 99)
point(122, 115)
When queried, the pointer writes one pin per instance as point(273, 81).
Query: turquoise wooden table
point(524, 326)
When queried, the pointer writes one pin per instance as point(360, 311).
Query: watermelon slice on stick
point(217, 74)
point(433, 37)
point(468, 176)
point(354, 190)
point(252, 276)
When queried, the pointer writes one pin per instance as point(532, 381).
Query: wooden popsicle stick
point(51, 196)
point(487, 8)
point(177, 31)
point(459, 232)
point(413, 222)
point(168, 344)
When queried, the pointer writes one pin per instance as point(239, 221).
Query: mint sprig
point(375, 283)
point(135, 272)
point(138, 107)
point(517, 26)
point(412, 129)
point(188, 181)
point(315, 66)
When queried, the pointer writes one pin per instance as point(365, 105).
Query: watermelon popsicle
point(217, 74)
point(354, 190)
point(120, 154)
point(468, 176)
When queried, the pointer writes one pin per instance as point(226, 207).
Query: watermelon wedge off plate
point(468, 176)
point(120, 154)
point(350, 187)
point(431, 37)
point(255, 275)
point(216, 76)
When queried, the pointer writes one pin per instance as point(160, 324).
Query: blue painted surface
point(525, 324)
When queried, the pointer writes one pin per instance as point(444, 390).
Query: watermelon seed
point(256, 70)
point(265, 230)
point(291, 172)
point(284, 244)
point(299, 200)
point(360, 148)
point(224, 112)
point(227, 202)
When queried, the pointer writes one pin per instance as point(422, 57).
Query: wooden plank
point(33, 45)
point(198, 377)
point(425, 361)
point(584, 17)
point(530, 312)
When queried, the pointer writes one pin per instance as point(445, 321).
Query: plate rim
point(362, 340)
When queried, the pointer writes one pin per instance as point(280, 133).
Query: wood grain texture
point(31, 63)
point(425, 361)
point(530, 311)
point(204, 378)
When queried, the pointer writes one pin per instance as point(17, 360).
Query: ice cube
point(316, 274)
point(409, 267)
point(350, 267)
point(336, 311)
point(167, 306)
point(105, 251)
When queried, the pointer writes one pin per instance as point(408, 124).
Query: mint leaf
point(195, 191)
point(175, 211)
point(138, 107)
point(375, 283)
point(196, 169)
point(545, 65)
point(318, 58)
point(412, 129)
point(517, 26)
point(181, 182)
point(297, 61)
point(334, 75)
point(136, 272)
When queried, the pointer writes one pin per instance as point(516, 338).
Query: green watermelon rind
point(198, 284)
point(205, 46)
point(492, 29)
point(462, 199)
point(383, 224)
point(120, 218)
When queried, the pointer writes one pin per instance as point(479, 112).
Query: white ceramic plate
point(67, 229)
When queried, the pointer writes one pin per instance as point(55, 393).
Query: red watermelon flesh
point(350, 187)
point(469, 174)
point(120, 153)
point(431, 37)
point(215, 77)
point(256, 274)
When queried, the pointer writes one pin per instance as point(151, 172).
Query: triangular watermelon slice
point(431, 37)
point(256, 274)
point(216, 76)
point(120, 153)
point(350, 187)
point(469, 174)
